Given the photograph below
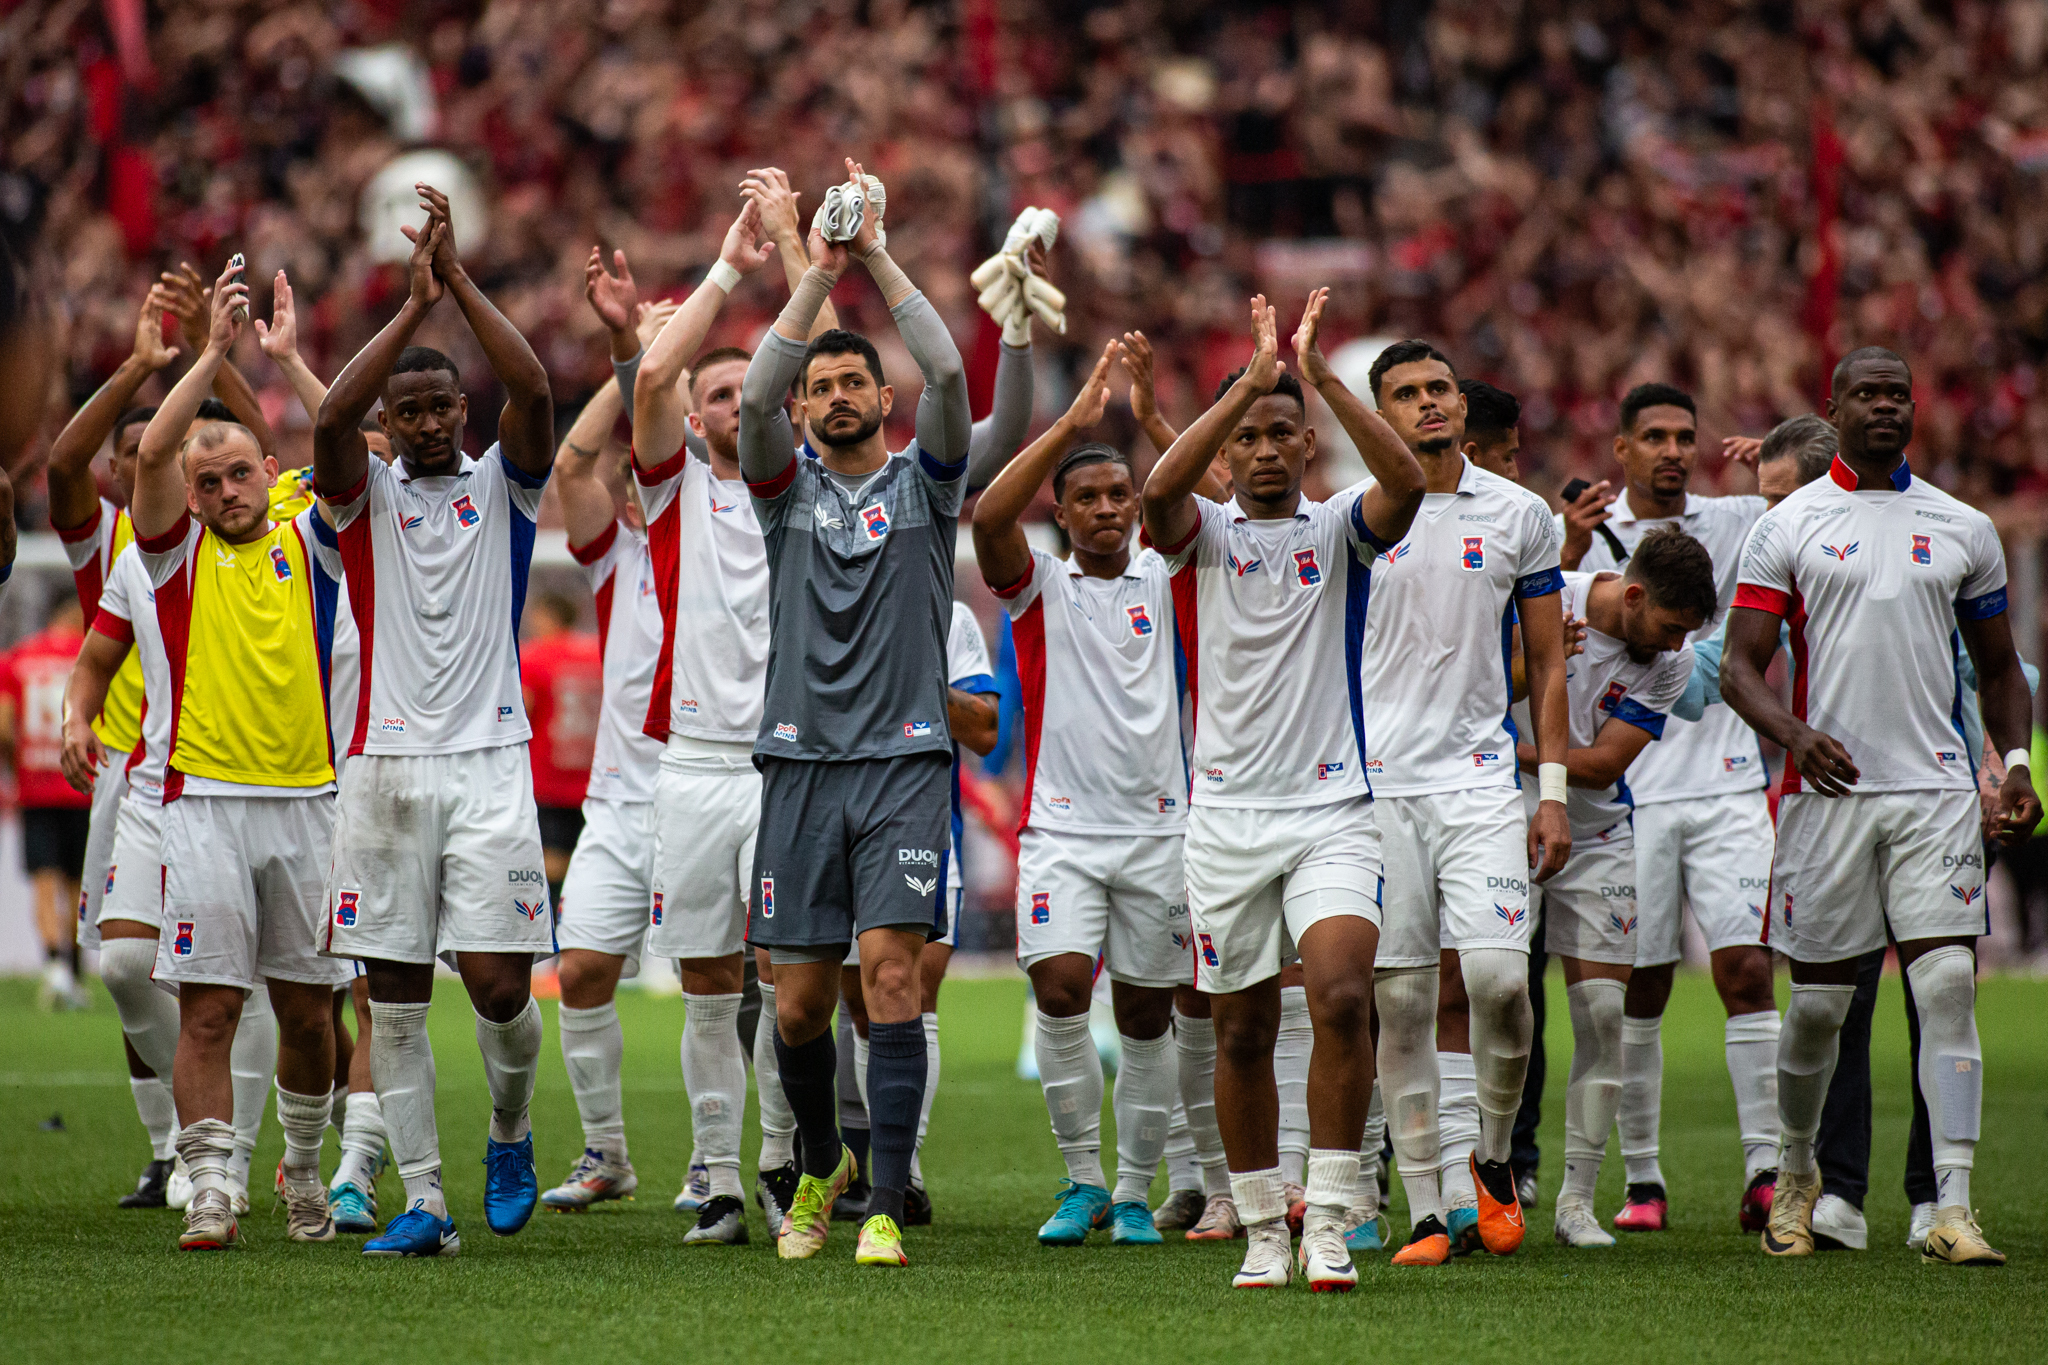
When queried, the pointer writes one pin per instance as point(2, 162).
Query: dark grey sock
point(809, 1078)
point(896, 1069)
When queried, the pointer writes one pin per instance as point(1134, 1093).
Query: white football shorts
point(1712, 853)
point(1589, 908)
point(133, 888)
point(610, 883)
point(707, 810)
point(1457, 874)
point(1120, 897)
point(1848, 866)
point(102, 820)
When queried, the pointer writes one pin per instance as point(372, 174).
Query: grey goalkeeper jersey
point(861, 581)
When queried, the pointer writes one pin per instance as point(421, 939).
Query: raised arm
point(280, 341)
point(186, 288)
point(526, 427)
point(767, 446)
point(99, 658)
point(340, 455)
point(768, 190)
point(995, 438)
point(661, 404)
point(586, 502)
point(159, 476)
point(2008, 718)
point(1136, 354)
point(1169, 496)
point(74, 494)
point(999, 544)
point(1388, 508)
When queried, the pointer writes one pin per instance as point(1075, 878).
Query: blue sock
point(809, 1079)
point(896, 1071)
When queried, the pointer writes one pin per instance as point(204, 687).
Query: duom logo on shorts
point(181, 941)
point(346, 904)
point(1041, 907)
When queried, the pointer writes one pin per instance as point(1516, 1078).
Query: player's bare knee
point(1338, 1006)
point(1142, 1012)
point(1743, 977)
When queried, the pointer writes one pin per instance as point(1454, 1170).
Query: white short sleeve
point(966, 652)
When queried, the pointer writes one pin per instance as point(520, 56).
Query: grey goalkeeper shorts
point(848, 847)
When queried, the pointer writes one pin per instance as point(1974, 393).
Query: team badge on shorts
point(1208, 948)
point(345, 905)
point(1305, 571)
point(465, 511)
point(767, 898)
point(874, 519)
point(654, 915)
point(1041, 907)
point(81, 905)
point(1474, 557)
point(181, 941)
point(280, 565)
point(108, 890)
point(1923, 550)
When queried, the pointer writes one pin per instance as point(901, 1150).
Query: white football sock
point(402, 1062)
point(1593, 1092)
point(778, 1124)
point(1642, 1098)
point(593, 1047)
point(931, 1090)
point(1195, 1050)
point(715, 1077)
point(1408, 1079)
point(1183, 1172)
point(1751, 1042)
point(1366, 1201)
point(1260, 1196)
point(148, 1016)
point(1290, 1074)
point(1944, 982)
point(252, 1062)
point(1503, 1027)
point(159, 1115)
point(511, 1063)
point(304, 1120)
point(1143, 1105)
point(1807, 1047)
point(362, 1141)
point(1457, 1110)
point(1332, 1184)
point(206, 1146)
point(1070, 1073)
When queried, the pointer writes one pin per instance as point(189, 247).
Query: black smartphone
point(239, 267)
point(1573, 489)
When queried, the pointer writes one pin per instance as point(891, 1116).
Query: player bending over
point(436, 840)
point(1282, 855)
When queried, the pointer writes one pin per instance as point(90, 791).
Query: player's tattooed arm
point(768, 190)
point(586, 503)
point(661, 398)
point(999, 544)
point(1600, 766)
point(186, 289)
point(526, 426)
point(1390, 505)
point(280, 341)
point(2008, 719)
point(340, 455)
point(74, 494)
point(99, 658)
point(159, 476)
point(1542, 632)
point(1752, 641)
point(974, 718)
point(1169, 496)
point(1135, 353)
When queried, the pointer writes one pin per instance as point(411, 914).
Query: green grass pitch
point(82, 1281)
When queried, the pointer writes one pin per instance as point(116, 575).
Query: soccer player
point(1879, 824)
point(1493, 428)
point(1621, 688)
point(54, 818)
point(436, 841)
point(1105, 807)
point(610, 876)
point(231, 614)
point(561, 679)
point(1459, 851)
point(1702, 828)
point(854, 748)
point(1282, 853)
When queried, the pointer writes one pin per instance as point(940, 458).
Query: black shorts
point(560, 827)
point(53, 839)
point(848, 847)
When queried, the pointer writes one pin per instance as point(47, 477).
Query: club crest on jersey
point(1041, 907)
point(282, 566)
point(916, 729)
point(1305, 571)
point(1615, 692)
point(1842, 552)
point(465, 511)
point(874, 519)
point(1244, 566)
point(1513, 915)
point(786, 731)
point(654, 914)
point(532, 909)
point(1967, 895)
point(1474, 557)
point(181, 941)
point(1627, 926)
point(767, 898)
point(1398, 552)
point(1923, 550)
point(1326, 771)
point(346, 903)
point(1141, 624)
point(1208, 948)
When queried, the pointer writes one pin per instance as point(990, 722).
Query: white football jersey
point(1872, 582)
point(1717, 753)
point(1434, 675)
point(1098, 659)
point(1601, 685)
point(629, 630)
point(345, 662)
point(437, 581)
point(1271, 616)
point(711, 582)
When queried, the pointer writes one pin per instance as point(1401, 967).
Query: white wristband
point(2018, 758)
point(723, 275)
point(1550, 781)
